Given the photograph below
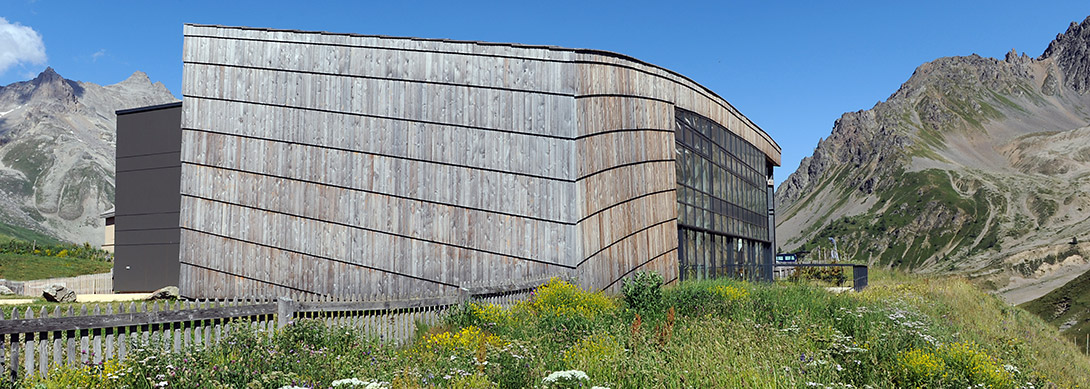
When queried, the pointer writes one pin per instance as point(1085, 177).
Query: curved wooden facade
point(339, 164)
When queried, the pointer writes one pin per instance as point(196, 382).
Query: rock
point(1051, 85)
point(59, 294)
point(1011, 56)
point(165, 293)
point(5, 291)
point(1071, 53)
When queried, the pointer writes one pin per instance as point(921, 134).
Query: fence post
point(285, 309)
point(859, 277)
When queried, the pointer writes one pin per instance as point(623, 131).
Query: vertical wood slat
point(43, 345)
point(109, 334)
point(175, 338)
point(58, 341)
point(28, 363)
point(96, 342)
point(70, 340)
point(14, 361)
point(84, 339)
point(5, 363)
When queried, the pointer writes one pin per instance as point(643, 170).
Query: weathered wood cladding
point(602, 74)
point(343, 164)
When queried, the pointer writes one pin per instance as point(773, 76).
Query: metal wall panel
point(147, 198)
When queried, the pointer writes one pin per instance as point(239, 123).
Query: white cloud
point(19, 44)
point(98, 54)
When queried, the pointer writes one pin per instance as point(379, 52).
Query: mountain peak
point(47, 75)
point(137, 77)
point(1071, 51)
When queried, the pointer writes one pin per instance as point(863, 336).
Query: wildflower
point(565, 376)
point(356, 382)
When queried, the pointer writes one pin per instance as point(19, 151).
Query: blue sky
point(791, 67)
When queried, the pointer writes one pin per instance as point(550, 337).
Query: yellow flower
point(729, 292)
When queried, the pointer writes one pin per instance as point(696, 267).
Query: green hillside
point(920, 218)
point(1067, 307)
point(9, 232)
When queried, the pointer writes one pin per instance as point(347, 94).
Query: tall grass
point(24, 267)
point(901, 332)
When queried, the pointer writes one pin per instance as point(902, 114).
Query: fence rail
point(100, 283)
point(33, 341)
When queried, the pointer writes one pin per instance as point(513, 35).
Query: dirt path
point(1022, 290)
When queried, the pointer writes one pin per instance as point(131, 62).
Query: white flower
point(356, 382)
point(349, 381)
point(566, 375)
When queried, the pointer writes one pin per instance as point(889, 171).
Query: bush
point(643, 292)
point(84, 251)
point(478, 314)
point(956, 364)
point(563, 310)
point(561, 297)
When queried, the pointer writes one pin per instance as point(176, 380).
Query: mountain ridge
point(57, 140)
point(958, 170)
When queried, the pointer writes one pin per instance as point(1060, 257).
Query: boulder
point(59, 294)
point(165, 293)
point(5, 291)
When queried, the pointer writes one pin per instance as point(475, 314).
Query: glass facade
point(723, 202)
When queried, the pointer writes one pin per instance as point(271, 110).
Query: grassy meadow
point(22, 267)
point(902, 331)
point(22, 260)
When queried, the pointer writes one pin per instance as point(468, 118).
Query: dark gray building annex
point(341, 164)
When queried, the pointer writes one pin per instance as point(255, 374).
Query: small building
point(108, 235)
point(342, 164)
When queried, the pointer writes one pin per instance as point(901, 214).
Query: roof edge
point(516, 45)
point(148, 108)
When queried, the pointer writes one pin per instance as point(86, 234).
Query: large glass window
point(722, 201)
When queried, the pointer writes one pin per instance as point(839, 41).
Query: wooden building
point(343, 164)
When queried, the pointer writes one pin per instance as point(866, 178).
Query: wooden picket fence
point(31, 342)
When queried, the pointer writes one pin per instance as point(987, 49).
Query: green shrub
point(478, 314)
point(643, 292)
point(563, 310)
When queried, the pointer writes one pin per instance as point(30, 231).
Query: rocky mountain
point(57, 142)
point(975, 165)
